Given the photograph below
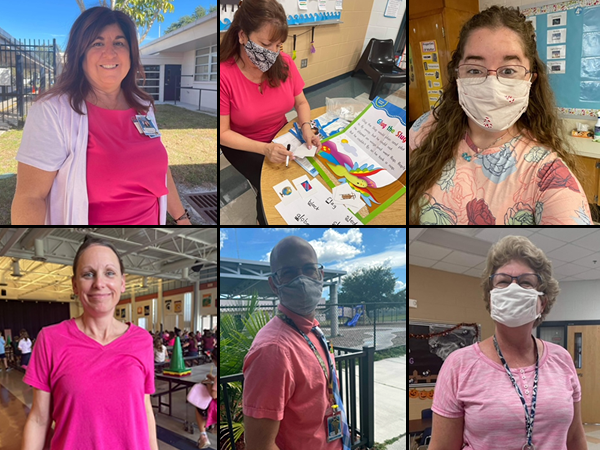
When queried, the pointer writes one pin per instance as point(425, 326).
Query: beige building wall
point(445, 297)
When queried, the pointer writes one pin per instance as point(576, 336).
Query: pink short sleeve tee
point(472, 386)
point(254, 115)
point(284, 381)
point(94, 388)
point(126, 170)
point(517, 183)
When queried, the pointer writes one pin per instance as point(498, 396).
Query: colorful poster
point(178, 306)
point(431, 69)
point(206, 300)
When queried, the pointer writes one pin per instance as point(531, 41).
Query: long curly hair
point(251, 16)
point(540, 119)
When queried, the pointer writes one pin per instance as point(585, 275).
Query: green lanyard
point(291, 323)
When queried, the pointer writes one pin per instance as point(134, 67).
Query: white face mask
point(514, 305)
point(493, 105)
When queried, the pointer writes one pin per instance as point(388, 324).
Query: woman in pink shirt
point(492, 152)
point(259, 85)
point(511, 391)
point(93, 375)
point(82, 160)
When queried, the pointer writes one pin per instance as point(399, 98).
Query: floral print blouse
point(516, 183)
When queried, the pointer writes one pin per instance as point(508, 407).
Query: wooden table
point(418, 425)
point(273, 174)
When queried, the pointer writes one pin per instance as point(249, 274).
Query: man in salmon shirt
point(291, 396)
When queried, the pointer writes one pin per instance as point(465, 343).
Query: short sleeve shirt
point(472, 386)
point(98, 392)
point(517, 183)
point(254, 115)
point(284, 381)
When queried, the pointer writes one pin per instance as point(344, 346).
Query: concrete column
point(197, 316)
point(333, 301)
point(160, 304)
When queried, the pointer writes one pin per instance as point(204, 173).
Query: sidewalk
point(390, 401)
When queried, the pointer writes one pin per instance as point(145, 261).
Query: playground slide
point(353, 322)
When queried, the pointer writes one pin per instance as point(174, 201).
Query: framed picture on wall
point(206, 300)
point(429, 344)
point(178, 306)
point(147, 310)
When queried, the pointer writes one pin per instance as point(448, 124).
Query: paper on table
point(303, 151)
point(346, 195)
point(288, 139)
point(286, 192)
point(305, 186)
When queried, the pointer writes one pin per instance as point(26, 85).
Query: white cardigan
point(55, 138)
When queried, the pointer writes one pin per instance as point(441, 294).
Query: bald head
point(292, 251)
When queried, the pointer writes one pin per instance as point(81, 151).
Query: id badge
point(334, 426)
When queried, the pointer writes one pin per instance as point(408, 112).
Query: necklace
point(468, 157)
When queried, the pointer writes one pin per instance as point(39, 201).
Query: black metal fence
point(357, 387)
point(382, 325)
point(27, 69)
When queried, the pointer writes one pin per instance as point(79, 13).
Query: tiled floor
point(241, 209)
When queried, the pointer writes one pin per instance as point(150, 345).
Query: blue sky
point(337, 248)
point(46, 19)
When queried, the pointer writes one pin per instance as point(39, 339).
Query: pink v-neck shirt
point(97, 391)
point(472, 386)
point(284, 381)
point(254, 115)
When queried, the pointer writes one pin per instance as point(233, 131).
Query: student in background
point(259, 85)
point(482, 389)
point(491, 152)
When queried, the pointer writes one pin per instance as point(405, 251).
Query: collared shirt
point(284, 381)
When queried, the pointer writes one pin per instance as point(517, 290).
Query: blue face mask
point(301, 295)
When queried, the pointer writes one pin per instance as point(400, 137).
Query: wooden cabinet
point(439, 20)
point(591, 177)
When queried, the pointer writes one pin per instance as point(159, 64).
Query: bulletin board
point(429, 344)
point(573, 65)
point(312, 15)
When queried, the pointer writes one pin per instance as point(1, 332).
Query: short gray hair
point(519, 248)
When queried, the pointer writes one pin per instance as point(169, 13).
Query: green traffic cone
point(177, 368)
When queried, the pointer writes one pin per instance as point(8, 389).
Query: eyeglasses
point(474, 74)
point(287, 274)
point(525, 280)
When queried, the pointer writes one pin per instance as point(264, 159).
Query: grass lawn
point(189, 137)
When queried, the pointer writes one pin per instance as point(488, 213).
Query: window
point(206, 64)
point(152, 85)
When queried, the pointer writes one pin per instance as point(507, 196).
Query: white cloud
point(335, 246)
point(400, 285)
point(394, 257)
point(223, 237)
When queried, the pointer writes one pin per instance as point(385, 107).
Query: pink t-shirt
point(254, 115)
point(97, 391)
point(472, 386)
point(126, 170)
point(516, 183)
point(284, 381)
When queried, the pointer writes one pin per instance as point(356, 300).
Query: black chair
point(377, 61)
point(427, 413)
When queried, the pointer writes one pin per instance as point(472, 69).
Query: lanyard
point(529, 414)
point(319, 334)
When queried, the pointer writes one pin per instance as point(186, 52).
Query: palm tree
point(237, 335)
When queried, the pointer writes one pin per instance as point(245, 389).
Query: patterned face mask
point(260, 57)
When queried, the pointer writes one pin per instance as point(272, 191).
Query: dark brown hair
point(87, 243)
point(540, 119)
point(85, 30)
point(249, 18)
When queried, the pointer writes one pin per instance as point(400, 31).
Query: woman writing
point(93, 375)
point(511, 391)
point(259, 85)
point(490, 153)
point(82, 160)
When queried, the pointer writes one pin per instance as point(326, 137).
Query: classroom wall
point(578, 300)
point(338, 46)
point(445, 297)
point(381, 27)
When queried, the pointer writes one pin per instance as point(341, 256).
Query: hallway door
point(583, 344)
